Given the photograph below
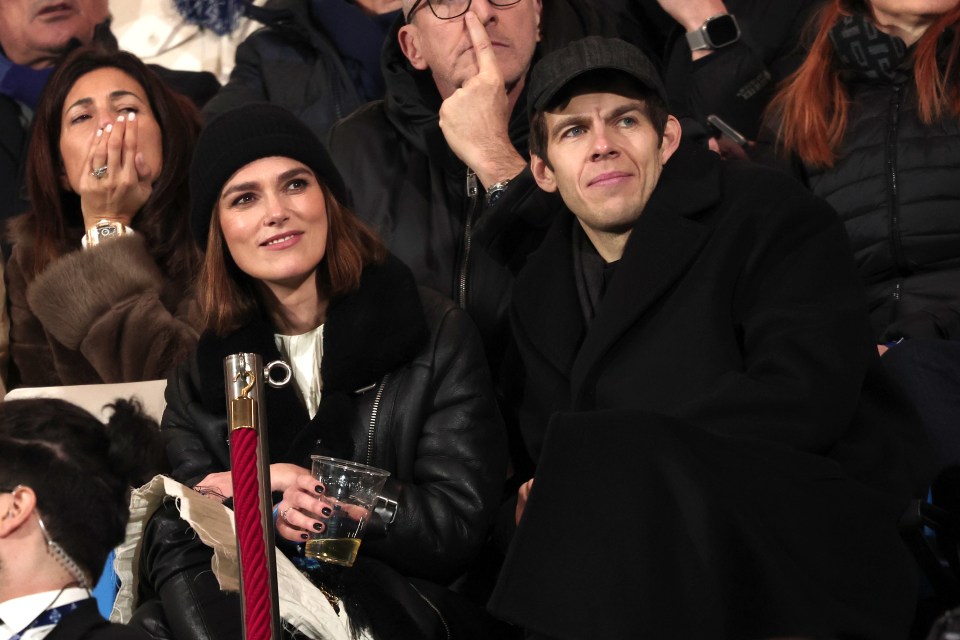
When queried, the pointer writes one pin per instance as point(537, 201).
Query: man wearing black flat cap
point(719, 453)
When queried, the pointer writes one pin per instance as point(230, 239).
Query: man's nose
point(603, 146)
point(484, 10)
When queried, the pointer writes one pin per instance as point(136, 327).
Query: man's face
point(34, 32)
point(444, 46)
point(605, 159)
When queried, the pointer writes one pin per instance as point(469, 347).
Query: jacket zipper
point(374, 412)
point(893, 195)
point(467, 233)
point(443, 621)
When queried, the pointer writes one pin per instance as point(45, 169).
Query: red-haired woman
point(872, 118)
point(101, 265)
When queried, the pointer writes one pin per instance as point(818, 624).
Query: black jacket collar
point(368, 333)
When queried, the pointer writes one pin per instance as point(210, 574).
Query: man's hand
point(691, 14)
point(522, 495)
point(474, 119)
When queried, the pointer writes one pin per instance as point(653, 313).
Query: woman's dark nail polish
point(326, 511)
point(304, 536)
point(318, 526)
point(319, 488)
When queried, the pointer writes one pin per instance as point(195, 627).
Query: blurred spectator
point(101, 266)
point(64, 487)
point(34, 35)
point(871, 122)
point(736, 78)
point(318, 58)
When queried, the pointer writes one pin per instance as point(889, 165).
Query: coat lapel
point(546, 309)
point(665, 240)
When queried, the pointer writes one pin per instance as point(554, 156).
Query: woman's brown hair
point(227, 296)
point(163, 220)
point(812, 105)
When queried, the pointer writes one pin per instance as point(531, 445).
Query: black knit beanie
point(238, 137)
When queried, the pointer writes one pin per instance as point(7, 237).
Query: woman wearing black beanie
point(384, 373)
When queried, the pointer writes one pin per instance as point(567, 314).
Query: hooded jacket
point(405, 389)
point(406, 182)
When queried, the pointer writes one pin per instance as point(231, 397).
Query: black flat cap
point(593, 53)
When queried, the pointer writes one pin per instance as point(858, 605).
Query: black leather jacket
point(405, 388)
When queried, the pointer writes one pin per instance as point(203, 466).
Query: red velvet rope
point(253, 553)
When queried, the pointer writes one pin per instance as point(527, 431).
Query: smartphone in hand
point(723, 129)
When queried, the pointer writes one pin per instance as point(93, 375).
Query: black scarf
point(368, 333)
point(866, 52)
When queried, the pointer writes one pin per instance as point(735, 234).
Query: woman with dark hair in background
point(99, 275)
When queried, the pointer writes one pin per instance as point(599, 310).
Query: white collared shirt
point(304, 353)
point(20, 612)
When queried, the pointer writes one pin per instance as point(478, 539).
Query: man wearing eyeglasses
point(439, 167)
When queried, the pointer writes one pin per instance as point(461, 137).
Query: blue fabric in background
point(21, 83)
point(359, 39)
point(106, 590)
point(219, 16)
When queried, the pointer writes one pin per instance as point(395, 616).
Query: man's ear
point(671, 139)
point(542, 173)
point(538, 8)
point(409, 37)
point(18, 506)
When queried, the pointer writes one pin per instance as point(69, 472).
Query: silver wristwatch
point(717, 31)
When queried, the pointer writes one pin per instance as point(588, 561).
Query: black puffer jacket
point(405, 389)
point(290, 62)
point(896, 185)
point(406, 182)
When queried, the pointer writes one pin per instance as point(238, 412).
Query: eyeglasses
point(450, 9)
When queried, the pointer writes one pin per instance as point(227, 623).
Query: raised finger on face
point(482, 47)
point(130, 142)
point(115, 131)
point(98, 151)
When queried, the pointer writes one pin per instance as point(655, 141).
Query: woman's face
point(908, 19)
point(274, 219)
point(96, 100)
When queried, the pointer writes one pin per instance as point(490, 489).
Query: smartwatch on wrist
point(718, 31)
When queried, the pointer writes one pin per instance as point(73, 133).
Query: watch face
point(722, 30)
point(106, 232)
